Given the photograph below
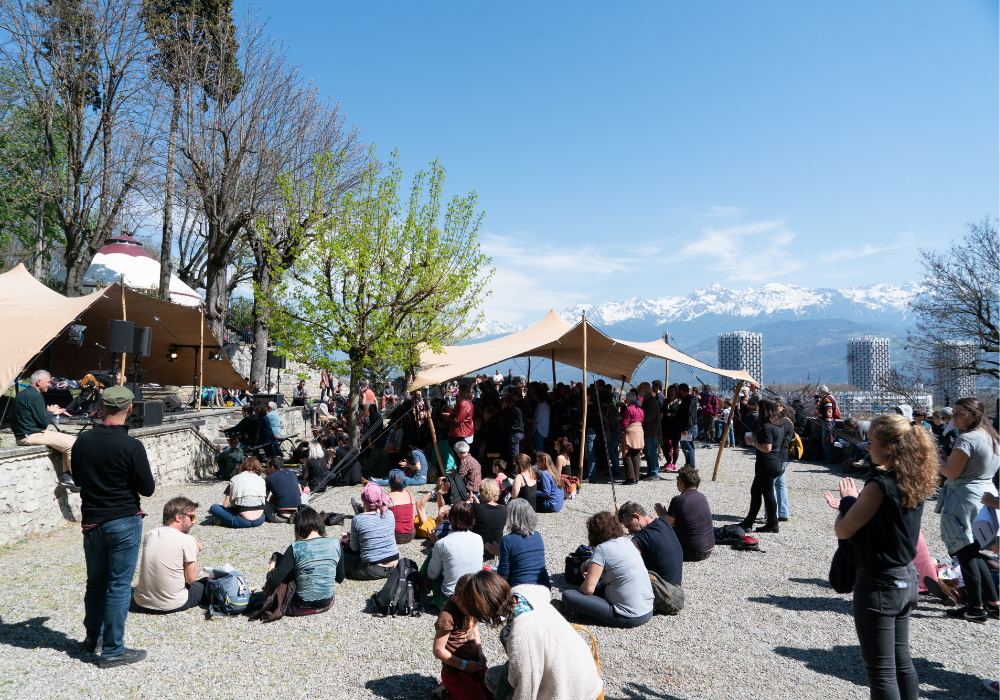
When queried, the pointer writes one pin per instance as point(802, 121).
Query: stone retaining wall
point(32, 503)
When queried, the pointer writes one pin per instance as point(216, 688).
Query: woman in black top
point(766, 441)
point(883, 522)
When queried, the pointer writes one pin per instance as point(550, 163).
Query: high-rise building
point(740, 350)
point(951, 384)
point(867, 361)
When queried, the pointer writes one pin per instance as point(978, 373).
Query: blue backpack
point(228, 594)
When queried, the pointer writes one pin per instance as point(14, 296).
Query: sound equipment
point(121, 335)
point(171, 404)
point(74, 336)
point(275, 361)
point(60, 397)
point(267, 398)
point(142, 341)
point(146, 414)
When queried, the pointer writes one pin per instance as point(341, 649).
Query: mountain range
point(805, 330)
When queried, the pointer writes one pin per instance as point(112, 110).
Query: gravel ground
point(755, 626)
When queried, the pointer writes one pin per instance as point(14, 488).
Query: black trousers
point(882, 604)
point(978, 580)
point(763, 487)
point(195, 591)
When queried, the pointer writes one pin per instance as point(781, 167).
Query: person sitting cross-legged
point(168, 575)
point(373, 553)
point(521, 550)
point(284, 492)
point(461, 552)
point(311, 562)
point(655, 540)
point(243, 505)
point(690, 516)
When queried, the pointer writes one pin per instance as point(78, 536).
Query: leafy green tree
point(375, 279)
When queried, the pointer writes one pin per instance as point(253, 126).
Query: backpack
point(796, 449)
point(747, 544)
point(228, 594)
point(668, 599)
point(729, 534)
point(401, 593)
point(457, 492)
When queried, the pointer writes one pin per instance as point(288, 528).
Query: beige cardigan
point(548, 658)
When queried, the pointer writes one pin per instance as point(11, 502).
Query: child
point(458, 645)
point(503, 481)
point(425, 526)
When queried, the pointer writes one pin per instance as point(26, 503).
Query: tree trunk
point(166, 266)
point(74, 277)
point(261, 315)
point(353, 400)
point(38, 255)
point(215, 298)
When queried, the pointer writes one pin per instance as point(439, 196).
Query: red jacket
point(461, 420)
point(709, 405)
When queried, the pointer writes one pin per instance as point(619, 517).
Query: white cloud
point(846, 254)
point(756, 251)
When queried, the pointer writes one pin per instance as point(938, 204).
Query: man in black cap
point(112, 471)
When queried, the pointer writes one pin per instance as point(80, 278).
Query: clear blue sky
point(648, 149)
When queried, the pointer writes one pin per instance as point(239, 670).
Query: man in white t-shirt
point(168, 575)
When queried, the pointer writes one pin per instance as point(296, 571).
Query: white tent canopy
point(558, 340)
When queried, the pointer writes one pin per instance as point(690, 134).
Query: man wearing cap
point(31, 418)
point(112, 470)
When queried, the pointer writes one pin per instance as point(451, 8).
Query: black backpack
point(457, 492)
point(729, 534)
point(401, 593)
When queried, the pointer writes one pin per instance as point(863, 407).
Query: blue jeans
point(687, 446)
point(539, 441)
point(112, 552)
point(827, 447)
point(652, 461)
point(589, 457)
point(231, 519)
point(781, 492)
point(408, 481)
point(720, 428)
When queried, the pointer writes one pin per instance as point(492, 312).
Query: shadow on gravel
point(822, 583)
point(634, 691)
point(812, 603)
point(403, 687)
point(845, 662)
point(727, 518)
point(33, 634)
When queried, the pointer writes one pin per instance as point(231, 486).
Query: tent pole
point(201, 350)
point(430, 422)
point(583, 427)
point(528, 381)
point(725, 432)
point(121, 381)
point(553, 370)
point(666, 375)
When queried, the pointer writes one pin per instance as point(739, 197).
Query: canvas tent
point(559, 340)
point(32, 315)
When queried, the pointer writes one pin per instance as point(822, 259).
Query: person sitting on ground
point(403, 507)
point(461, 552)
point(316, 469)
point(626, 597)
point(564, 456)
point(168, 575)
point(373, 553)
point(284, 492)
point(243, 505)
point(378, 464)
point(690, 516)
point(525, 484)
point(311, 562)
point(414, 464)
point(546, 657)
point(229, 458)
point(31, 418)
point(499, 466)
point(521, 552)
point(469, 469)
point(655, 540)
point(490, 516)
point(458, 646)
point(550, 485)
point(425, 526)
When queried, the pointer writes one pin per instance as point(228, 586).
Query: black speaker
point(171, 404)
point(146, 414)
point(121, 335)
point(142, 341)
point(267, 398)
point(275, 361)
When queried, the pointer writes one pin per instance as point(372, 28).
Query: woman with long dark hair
point(969, 471)
point(766, 441)
point(883, 522)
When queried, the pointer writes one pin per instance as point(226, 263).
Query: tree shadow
point(808, 603)
point(822, 583)
point(33, 634)
point(403, 687)
point(845, 662)
point(637, 691)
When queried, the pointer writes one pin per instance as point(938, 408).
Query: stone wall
point(31, 502)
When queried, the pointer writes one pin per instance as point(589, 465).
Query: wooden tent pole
point(583, 427)
point(201, 351)
point(430, 422)
point(725, 433)
point(666, 375)
point(553, 370)
point(121, 379)
point(528, 381)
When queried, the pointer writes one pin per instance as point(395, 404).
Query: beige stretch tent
point(32, 314)
point(555, 339)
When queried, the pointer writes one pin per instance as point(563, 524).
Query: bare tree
point(959, 303)
point(83, 64)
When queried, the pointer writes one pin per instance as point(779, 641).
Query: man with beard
point(168, 580)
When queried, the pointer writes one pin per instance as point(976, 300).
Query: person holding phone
point(766, 442)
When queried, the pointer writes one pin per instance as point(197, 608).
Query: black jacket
point(687, 413)
point(112, 471)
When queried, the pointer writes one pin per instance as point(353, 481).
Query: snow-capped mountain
point(492, 329)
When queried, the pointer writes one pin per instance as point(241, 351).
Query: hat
point(117, 397)
point(946, 411)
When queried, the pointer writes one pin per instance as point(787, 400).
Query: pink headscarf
point(373, 497)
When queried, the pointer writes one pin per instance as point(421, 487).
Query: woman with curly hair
point(616, 589)
point(969, 472)
point(546, 658)
point(883, 522)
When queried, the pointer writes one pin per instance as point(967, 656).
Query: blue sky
point(649, 149)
